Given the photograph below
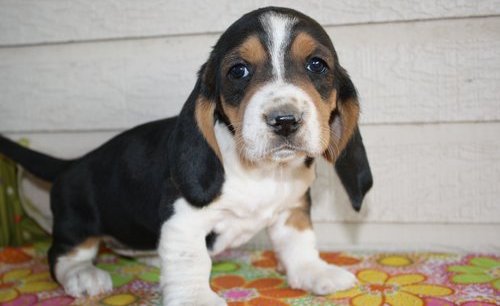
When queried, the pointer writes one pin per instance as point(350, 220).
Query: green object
point(16, 227)
point(479, 271)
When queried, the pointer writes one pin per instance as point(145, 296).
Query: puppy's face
point(276, 81)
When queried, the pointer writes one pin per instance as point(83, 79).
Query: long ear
point(344, 118)
point(346, 147)
point(196, 167)
point(354, 171)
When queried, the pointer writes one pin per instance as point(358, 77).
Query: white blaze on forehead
point(277, 27)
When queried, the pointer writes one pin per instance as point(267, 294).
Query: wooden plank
point(400, 237)
point(423, 173)
point(32, 21)
point(439, 71)
point(64, 145)
point(443, 71)
point(97, 86)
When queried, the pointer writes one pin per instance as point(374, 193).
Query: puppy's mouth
point(285, 152)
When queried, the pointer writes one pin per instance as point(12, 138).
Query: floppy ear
point(354, 171)
point(346, 147)
point(194, 156)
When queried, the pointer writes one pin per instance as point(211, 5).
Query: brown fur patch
point(234, 114)
point(323, 108)
point(334, 136)
point(89, 243)
point(204, 114)
point(303, 46)
point(300, 217)
point(252, 50)
point(341, 128)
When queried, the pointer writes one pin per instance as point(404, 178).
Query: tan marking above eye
point(303, 46)
point(252, 50)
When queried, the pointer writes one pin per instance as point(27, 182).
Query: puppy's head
point(274, 78)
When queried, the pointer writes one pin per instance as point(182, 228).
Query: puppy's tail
point(40, 165)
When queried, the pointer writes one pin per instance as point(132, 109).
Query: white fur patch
point(277, 27)
point(251, 199)
point(185, 263)
point(78, 275)
point(297, 253)
point(153, 261)
point(257, 135)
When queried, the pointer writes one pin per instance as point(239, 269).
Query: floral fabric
point(246, 278)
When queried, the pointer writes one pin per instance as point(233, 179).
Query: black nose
point(283, 124)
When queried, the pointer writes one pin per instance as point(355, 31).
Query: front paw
point(320, 278)
point(86, 279)
point(211, 298)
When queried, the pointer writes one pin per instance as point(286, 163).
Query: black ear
point(354, 171)
point(195, 167)
point(352, 163)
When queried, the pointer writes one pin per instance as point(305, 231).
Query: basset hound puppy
point(271, 99)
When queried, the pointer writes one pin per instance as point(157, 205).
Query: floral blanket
point(250, 278)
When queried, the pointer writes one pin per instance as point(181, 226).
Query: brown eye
point(316, 65)
point(238, 71)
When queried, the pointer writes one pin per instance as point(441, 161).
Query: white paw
point(321, 278)
point(211, 299)
point(86, 279)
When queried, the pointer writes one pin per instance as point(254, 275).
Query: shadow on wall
point(330, 202)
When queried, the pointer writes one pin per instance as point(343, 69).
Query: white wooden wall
point(74, 73)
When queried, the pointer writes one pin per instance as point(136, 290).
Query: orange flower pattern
point(378, 288)
point(13, 256)
point(246, 278)
point(262, 291)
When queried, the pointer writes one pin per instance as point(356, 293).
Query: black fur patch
point(308, 161)
point(210, 240)
point(354, 170)
point(220, 116)
point(195, 169)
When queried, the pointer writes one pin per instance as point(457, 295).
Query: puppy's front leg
point(185, 262)
point(295, 246)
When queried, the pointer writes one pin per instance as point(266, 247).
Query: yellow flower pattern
point(395, 261)
point(250, 278)
point(377, 288)
point(21, 281)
